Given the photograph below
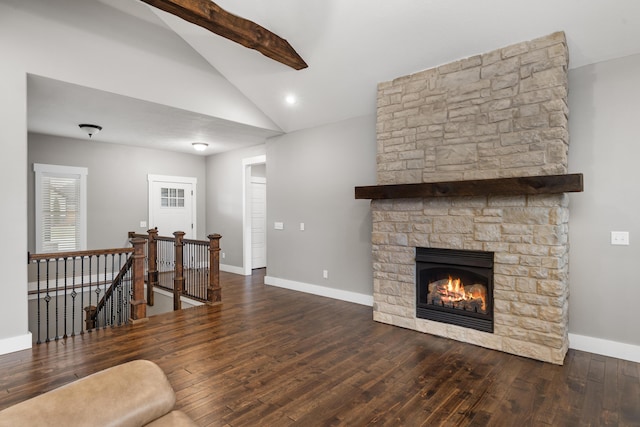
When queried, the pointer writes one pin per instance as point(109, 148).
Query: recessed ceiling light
point(290, 99)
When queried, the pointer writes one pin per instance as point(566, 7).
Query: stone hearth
point(497, 115)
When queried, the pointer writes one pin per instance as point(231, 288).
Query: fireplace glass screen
point(456, 287)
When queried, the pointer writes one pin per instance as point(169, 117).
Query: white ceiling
point(350, 46)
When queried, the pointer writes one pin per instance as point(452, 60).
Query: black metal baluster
point(84, 325)
point(98, 290)
point(73, 298)
point(65, 297)
point(111, 302)
point(38, 300)
point(47, 298)
point(57, 298)
point(90, 279)
point(118, 312)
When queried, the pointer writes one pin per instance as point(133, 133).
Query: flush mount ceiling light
point(200, 146)
point(90, 129)
point(291, 99)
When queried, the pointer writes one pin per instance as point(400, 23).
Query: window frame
point(45, 170)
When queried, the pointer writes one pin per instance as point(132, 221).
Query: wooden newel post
point(178, 277)
point(89, 319)
point(138, 304)
point(214, 292)
point(152, 264)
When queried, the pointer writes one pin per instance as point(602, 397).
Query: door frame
point(152, 179)
point(246, 210)
point(263, 181)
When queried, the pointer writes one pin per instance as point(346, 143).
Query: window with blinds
point(60, 208)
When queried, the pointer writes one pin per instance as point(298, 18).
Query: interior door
point(258, 222)
point(171, 207)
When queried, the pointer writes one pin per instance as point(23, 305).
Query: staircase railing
point(80, 291)
point(184, 267)
point(113, 308)
point(70, 283)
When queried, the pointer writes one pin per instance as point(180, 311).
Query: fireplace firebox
point(455, 287)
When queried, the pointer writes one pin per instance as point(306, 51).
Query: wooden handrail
point(78, 254)
point(213, 291)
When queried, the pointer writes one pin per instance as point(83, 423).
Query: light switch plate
point(619, 237)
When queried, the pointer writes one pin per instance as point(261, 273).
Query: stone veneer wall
point(500, 114)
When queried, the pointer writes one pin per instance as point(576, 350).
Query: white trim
point(246, 210)
point(323, 291)
point(151, 179)
point(603, 347)
point(81, 173)
point(21, 342)
point(168, 294)
point(232, 269)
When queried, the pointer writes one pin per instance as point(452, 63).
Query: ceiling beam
point(209, 15)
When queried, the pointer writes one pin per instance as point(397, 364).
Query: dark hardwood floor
point(272, 357)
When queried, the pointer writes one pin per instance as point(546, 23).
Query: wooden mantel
point(548, 184)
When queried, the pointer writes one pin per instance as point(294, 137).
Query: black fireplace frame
point(478, 263)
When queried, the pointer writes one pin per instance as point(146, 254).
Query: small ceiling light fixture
point(290, 99)
point(200, 146)
point(90, 129)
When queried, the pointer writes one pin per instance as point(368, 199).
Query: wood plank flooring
point(272, 357)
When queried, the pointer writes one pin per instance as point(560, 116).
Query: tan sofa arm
point(131, 394)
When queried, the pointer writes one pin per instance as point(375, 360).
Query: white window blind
point(60, 208)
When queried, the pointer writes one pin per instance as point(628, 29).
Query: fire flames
point(451, 293)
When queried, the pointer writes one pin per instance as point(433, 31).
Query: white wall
point(225, 204)
point(113, 52)
point(311, 175)
point(117, 185)
point(14, 334)
point(604, 279)
point(94, 44)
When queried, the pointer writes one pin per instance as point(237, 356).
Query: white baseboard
point(233, 269)
point(21, 342)
point(615, 349)
point(323, 291)
point(170, 295)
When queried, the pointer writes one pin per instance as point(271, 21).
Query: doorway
point(254, 235)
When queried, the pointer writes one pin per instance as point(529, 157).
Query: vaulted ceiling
point(352, 45)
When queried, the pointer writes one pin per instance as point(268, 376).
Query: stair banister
point(138, 305)
point(152, 264)
point(214, 292)
point(178, 278)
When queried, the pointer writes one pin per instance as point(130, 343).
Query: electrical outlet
point(223, 255)
point(278, 225)
point(302, 226)
point(143, 224)
point(619, 237)
point(325, 274)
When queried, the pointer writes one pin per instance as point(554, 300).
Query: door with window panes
point(172, 208)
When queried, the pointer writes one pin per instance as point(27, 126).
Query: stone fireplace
point(497, 116)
